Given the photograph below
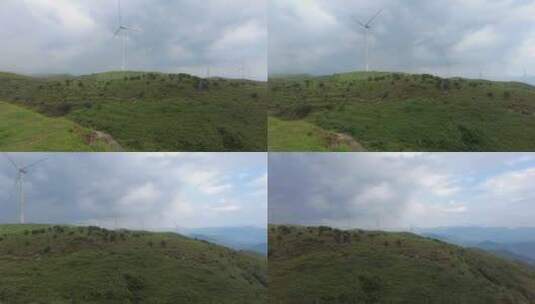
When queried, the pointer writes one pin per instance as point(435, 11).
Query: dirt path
point(97, 136)
point(339, 140)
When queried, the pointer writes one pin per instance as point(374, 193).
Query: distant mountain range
point(240, 238)
point(512, 243)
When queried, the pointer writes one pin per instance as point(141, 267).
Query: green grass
point(66, 264)
point(324, 265)
point(25, 130)
point(297, 135)
point(402, 112)
point(152, 111)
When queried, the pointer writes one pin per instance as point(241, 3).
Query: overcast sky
point(145, 190)
point(77, 36)
point(399, 191)
point(447, 37)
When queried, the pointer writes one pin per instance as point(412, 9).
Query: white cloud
point(70, 16)
point(514, 186)
point(241, 36)
point(141, 197)
point(225, 208)
point(480, 39)
point(208, 181)
point(427, 190)
point(143, 190)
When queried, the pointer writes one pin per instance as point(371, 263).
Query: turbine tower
point(123, 31)
point(19, 183)
point(367, 28)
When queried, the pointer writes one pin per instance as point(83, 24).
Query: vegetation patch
point(152, 111)
point(24, 130)
point(68, 264)
point(327, 265)
point(404, 112)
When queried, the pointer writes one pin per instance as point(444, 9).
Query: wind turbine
point(367, 28)
point(19, 183)
point(123, 31)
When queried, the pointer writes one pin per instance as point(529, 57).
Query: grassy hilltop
point(151, 111)
point(400, 112)
point(62, 264)
point(24, 130)
point(321, 265)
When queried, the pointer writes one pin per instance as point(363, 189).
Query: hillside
point(151, 111)
point(62, 264)
point(25, 130)
point(404, 112)
point(324, 265)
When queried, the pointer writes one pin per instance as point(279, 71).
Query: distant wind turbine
point(123, 32)
point(367, 28)
point(19, 183)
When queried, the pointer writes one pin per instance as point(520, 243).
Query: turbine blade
point(359, 22)
point(131, 28)
point(11, 161)
point(373, 18)
point(120, 17)
point(35, 163)
point(117, 32)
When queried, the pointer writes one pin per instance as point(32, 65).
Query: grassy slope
point(401, 112)
point(84, 265)
point(289, 136)
point(306, 266)
point(25, 130)
point(152, 111)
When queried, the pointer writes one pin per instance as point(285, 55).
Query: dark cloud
point(494, 38)
point(65, 36)
point(397, 191)
point(139, 190)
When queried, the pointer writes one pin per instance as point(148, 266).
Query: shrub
point(285, 229)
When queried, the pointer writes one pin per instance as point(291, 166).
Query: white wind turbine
point(19, 183)
point(123, 31)
point(367, 28)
